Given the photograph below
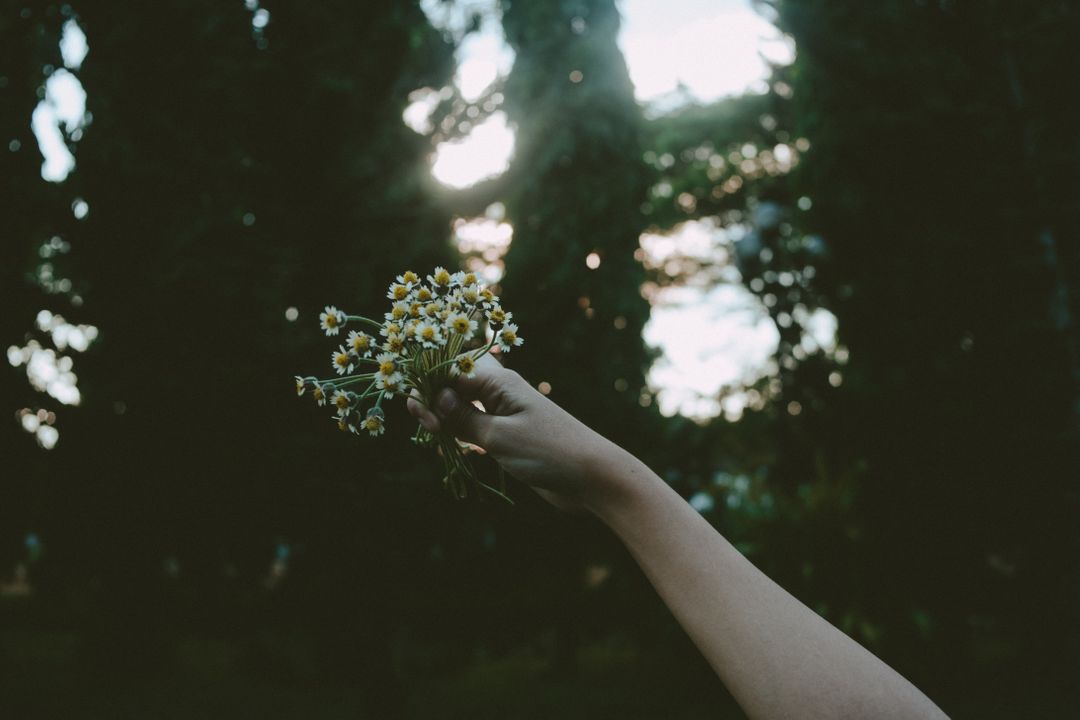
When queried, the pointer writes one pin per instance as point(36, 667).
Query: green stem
point(346, 380)
point(491, 344)
point(369, 321)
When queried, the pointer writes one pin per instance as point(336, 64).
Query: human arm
point(776, 656)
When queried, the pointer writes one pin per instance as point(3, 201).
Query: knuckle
point(459, 413)
point(511, 377)
point(462, 413)
point(487, 437)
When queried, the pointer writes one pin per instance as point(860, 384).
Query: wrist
point(615, 483)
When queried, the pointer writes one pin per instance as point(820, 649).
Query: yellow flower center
point(465, 364)
point(509, 336)
point(431, 310)
point(341, 359)
point(400, 292)
point(317, 393)
point(360, 343)
point(342, 401)
point(414, 309)
point(409, 276)
point(398, 312)
point(423, 294)
point(461, 324)
point(442, 277)
point(497, 315)
point(386, 367)
point(395, 343)
point(487, 295)
point(469, 279)
point(331, 320)
point(393, 329)
point(428, 333)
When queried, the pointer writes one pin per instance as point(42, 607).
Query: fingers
point(484, 376)
point(453, 410)
point(423, 414)
point(453, 413)
point(464, 419)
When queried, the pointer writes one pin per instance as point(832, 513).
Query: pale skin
point(778, 658)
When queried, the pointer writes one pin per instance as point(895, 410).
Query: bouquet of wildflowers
point(430, 336)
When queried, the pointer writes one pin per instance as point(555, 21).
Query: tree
point(234, 171)
point(571, 271)
point(940, 199)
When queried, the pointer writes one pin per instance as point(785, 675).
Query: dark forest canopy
point(926, 504)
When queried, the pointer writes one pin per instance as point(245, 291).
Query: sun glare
point(483, 153)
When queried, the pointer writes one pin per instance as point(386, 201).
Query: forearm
point(776, 656)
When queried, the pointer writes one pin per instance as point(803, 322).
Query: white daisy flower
point(461, 324)
point(429, 334)
point(303, 384)
point(508, 337)
point(470, 295)
point(341, 360)
point(373, 423)
point(498, 317)
point(390, 328)
point(440, 280)
point(423, 294)
point(387, 364)
point(395, 344)
point(398, 311)
point(360, 343)
point(319, 392)
point(399, 291)
point(331, 320)
point(463, 365)
point(342, 402)
point(390, 384)
point(408, 278)
point(432, 309)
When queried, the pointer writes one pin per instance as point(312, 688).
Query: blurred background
point(815, 262)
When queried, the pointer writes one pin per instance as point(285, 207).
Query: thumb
point(463, 419)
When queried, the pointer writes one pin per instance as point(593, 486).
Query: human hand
point(531, 437)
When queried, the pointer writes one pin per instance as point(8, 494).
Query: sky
point(675, 50)
point(711, 47)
